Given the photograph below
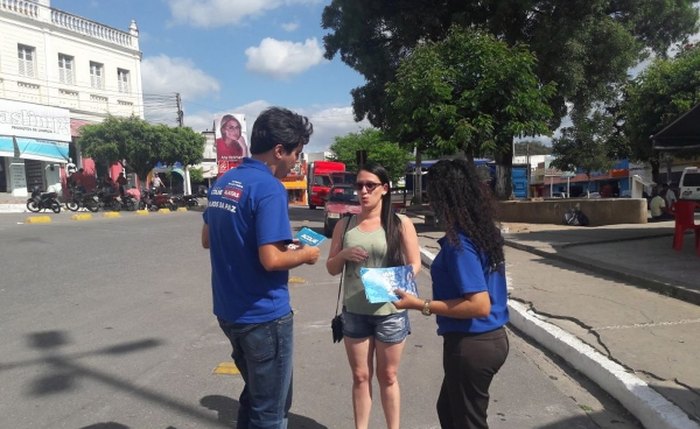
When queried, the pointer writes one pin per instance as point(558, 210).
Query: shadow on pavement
point(227, 410)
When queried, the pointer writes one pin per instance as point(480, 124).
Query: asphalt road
point(106, 323)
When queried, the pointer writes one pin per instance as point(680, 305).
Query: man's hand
point(313, 252)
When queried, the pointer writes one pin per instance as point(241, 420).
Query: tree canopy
point(581, 45)
point(379, 149)
point(139, 145)
point(659, 95)
point(587, 146)
point(469, 93)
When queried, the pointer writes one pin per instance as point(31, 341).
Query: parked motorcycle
point(109, 201)
point(153, 202)
point(128, 202)
point(80, 199)
point(185, 200)
point(43, 201)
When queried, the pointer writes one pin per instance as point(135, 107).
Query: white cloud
point(290, 26)
point(217, 13)
point(164, 75)
point(328, 123)
point(281, 58)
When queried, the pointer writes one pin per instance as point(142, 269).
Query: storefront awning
point(7, 146)
point(42, 150)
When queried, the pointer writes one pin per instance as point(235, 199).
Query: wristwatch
point(426, 308)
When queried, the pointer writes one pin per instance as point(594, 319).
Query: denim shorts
point(392, 328)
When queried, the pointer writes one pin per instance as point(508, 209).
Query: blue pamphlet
point(309, 237)
point(380, 283)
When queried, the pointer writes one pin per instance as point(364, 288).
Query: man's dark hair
point(277, 125)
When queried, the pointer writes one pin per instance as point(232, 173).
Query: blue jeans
point(263, 354)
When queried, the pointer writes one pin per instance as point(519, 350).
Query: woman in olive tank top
point(376, 237)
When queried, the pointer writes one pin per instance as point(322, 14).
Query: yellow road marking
point(226, 368)
point(112, 214)
point(163, 211)
point(182, 209)
point(295, 279)
point(142, 212)
point(38, 219)
point(82, 216)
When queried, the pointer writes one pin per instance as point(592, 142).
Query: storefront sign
point(34, 121)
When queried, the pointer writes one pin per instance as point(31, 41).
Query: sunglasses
point(371, 186)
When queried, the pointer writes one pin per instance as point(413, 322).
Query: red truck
point(321, 176)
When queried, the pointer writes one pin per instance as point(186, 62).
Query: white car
point(690, 184)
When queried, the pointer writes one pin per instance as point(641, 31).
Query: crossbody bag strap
point(342, 275)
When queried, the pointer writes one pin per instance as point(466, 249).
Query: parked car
point(690, 184)
point(342, 201)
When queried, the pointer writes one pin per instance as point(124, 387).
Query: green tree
point(379, 149)
point(138, 145)
point(589, 145)
point(660, 94)
point(197, 175)
point(471, 93)
point(582, 45)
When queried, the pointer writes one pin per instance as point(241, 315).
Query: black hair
point(462, 204)
point(390, 221)
point(277, 125)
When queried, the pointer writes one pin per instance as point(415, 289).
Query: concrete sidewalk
point(612, 317)
point(10, 204)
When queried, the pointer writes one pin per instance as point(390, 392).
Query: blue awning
point(7, 147)
point(42, 150)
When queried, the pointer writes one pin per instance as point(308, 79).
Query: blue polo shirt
point(247, 208)
point(458, 270)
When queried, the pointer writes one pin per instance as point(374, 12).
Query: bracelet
point(426, 308)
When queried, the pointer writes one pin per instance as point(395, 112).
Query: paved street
point(107, 323)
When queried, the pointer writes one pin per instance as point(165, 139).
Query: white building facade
point(58, 71)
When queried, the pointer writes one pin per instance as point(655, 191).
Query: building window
point(123, 78)
point(65, 69)
point(97, 72)
point(26, 60)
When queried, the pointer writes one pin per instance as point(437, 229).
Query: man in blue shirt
point(247, 230)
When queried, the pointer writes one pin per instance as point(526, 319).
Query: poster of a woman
point(231, 144)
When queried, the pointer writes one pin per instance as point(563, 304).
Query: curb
point(646, 404)
point(650, 407)
point(111, 214)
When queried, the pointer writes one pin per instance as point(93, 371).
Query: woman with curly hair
point(469, 293)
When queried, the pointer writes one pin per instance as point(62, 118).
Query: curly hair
point(462, 205)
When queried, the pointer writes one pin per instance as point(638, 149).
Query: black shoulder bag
point(337, 322)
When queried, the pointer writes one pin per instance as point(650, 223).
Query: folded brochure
point(380, 283)
point(309, 237)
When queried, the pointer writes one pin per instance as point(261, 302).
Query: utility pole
point(180, 114)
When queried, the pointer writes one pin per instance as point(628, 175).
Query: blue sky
point(237, 56)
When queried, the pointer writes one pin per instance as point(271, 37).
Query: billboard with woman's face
point(231, 146)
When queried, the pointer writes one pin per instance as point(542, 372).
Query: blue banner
point(42, 150)
point(7, 148)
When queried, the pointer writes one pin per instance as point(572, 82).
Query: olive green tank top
point(354, 292)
